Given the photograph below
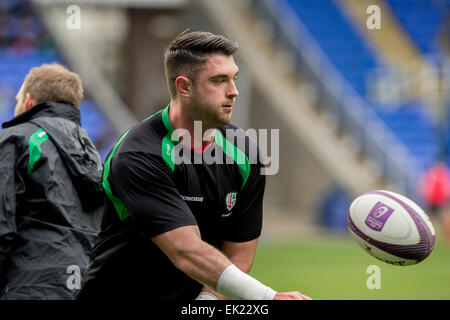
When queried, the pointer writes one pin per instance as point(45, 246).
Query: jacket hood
point(79, 155)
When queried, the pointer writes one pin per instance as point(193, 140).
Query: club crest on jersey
point(230, 200)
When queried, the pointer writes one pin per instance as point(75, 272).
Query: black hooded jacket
point(50, 202)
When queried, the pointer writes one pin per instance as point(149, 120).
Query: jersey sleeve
point(145, 185)
point(245, 223)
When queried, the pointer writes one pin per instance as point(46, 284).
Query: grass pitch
point(336, 268)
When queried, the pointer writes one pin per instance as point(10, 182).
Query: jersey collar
point(167, 124)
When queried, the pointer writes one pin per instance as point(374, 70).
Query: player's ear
point(29, 102)
point(184, 86)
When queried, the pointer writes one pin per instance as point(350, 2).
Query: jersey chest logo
point(230, 200)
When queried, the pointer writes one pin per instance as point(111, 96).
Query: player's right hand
point(293, 295)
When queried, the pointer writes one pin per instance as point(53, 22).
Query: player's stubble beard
point(211, 116)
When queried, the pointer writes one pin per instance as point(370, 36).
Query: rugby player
point(186, 230)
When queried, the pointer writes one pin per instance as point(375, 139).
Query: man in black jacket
point(50, 189)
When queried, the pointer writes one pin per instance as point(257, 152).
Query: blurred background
point(359, 89)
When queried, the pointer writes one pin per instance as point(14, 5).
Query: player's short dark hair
point(189, 51)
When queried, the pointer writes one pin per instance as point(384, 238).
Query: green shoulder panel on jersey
point(168, 145)
point(118, 204)
point(121, 210)
point(34, 147)
point(236, 154)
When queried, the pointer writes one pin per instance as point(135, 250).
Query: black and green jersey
point(149, 191)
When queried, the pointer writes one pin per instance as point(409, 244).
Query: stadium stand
point(25, 44)
point(429, 15)
point(355, 59)
point(345, 48)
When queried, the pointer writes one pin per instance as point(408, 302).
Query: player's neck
point(179, 118)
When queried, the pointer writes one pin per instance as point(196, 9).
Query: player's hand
point(294, 295)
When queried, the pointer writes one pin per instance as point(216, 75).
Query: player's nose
point(232, 90)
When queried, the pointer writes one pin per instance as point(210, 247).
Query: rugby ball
point(391, 227)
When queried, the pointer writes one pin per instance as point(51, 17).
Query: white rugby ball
point(391, 227)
